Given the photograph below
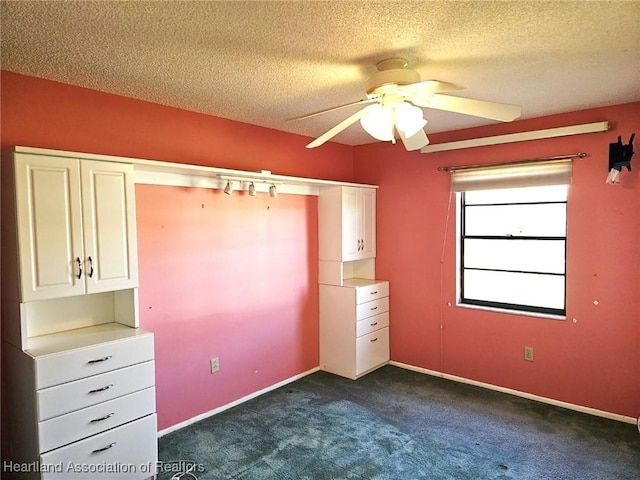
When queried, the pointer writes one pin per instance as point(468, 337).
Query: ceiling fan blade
point(428, 86)
point(338, 107)
point(414, 142)
point(479, 108)
point(338, 128)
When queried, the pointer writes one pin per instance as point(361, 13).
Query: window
point(513, 244)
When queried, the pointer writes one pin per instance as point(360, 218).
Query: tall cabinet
point(80, 372)
point(354, 305)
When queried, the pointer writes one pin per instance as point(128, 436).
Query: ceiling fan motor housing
point(399, 76)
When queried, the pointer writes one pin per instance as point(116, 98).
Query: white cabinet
point(87, 397)
point(347, 223)
point(76, 226)
point(354, 327)
point(80, 379)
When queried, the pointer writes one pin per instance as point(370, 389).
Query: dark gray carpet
point(397, 424)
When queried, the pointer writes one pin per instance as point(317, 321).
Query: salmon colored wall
point(233, 277)
point(594, 362)
point(46, 114)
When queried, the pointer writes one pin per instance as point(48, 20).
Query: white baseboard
point(530, 396)
point(217, 410)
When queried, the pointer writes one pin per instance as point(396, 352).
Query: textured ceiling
point(264, 62)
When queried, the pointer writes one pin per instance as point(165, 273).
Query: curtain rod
point(453, 168)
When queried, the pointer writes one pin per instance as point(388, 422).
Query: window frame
point(504, 306)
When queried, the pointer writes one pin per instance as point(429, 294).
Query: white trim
point(518, 137)
point(156, 177)
point(153, 172)
point(246, 398)
point(523, 313)
point(517, 393)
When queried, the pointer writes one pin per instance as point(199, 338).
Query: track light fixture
point(251, 184)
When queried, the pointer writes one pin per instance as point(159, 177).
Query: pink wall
point(227, 276)
point(233, 277)
point(594, 362)
point(41, 113)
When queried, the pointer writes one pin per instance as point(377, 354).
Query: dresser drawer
point(61, 399)
point(372, 324)
point(372, 292)
point(84, 362)
point(372, 350)
point(368, 309)
point(65, 429)
point(128, 452)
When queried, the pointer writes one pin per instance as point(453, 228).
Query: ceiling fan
point(396, 94)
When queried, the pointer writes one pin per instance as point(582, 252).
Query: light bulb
point(409, 119)
point(378, 122)
point(228, 188)
point(252, 189)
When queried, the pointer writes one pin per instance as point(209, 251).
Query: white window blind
point(534, 174)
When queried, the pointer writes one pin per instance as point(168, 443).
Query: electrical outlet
point(215, 365)
point(528, 354)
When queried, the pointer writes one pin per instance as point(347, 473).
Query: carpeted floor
point(397, 424)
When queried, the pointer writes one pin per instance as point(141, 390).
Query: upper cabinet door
point(110, 245)
point(347, 223)
point(351, 243)
point(76, 226)
point(49, 227)
point(367, 213)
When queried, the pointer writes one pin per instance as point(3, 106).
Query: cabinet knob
point(102, 389)
point(373, 293)
point(90, 266)
point(101, 419)
point(373, 308)
point(374, 324)
point(99, 360)
point(98, 450)
point(374, 340)
point(79, 268)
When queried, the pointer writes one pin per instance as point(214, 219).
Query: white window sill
point(512, 312)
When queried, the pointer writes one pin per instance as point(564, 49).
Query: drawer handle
point(79, 268)
point(91, 266)
point(373, 293)
point(101, 419)
point(101, 389)
point(98, 360)
point(374, 324)
point(373, 308)
point(98, 450)
point(374, 340)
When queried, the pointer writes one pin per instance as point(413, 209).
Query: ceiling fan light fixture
point(378, 122)
point(409, 119)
